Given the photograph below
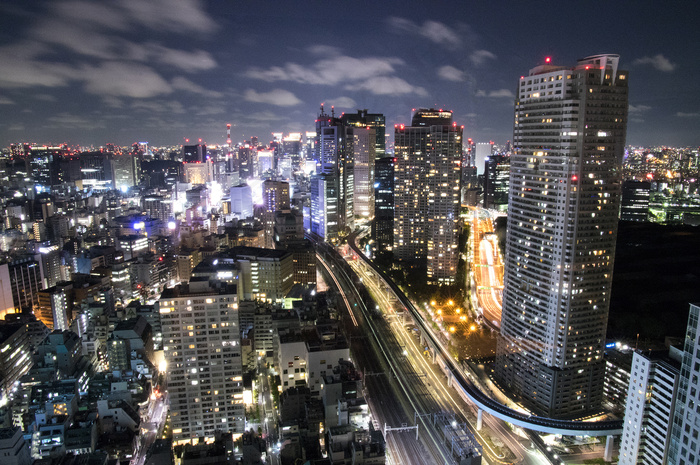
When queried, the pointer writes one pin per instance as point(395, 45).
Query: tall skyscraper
point(202, 346)
point(427, 193)
point(569, 136)
point(383, 225)
point(376, 121)
point(361, 145)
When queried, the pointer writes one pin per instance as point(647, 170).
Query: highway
point(446, 399)
point(487, 267)
point(471, 391)
point(395, 389)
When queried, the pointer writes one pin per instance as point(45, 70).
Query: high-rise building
point(569, 136)
point(427, 193)
point(324, 206)
point(383, 225)
point(361, 145)
point(202, 348)
point(496, 182)
point(684, 444)
point(376, 121)
point(194, 153)
point(275, 198)
point(635, 201)
point(649, 409)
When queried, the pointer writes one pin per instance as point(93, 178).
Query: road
point(443, 397)
point(387, 400)
point(487, 267)
point(152, 424)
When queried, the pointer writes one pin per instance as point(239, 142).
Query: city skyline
point(121, 72)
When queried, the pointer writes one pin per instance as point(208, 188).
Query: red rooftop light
point(548, 60)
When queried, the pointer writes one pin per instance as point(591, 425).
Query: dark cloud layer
point(90, 72)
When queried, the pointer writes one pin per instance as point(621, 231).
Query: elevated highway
point(469, 390)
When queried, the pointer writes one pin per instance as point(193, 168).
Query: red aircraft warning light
point(548, 60)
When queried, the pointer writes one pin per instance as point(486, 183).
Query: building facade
point(569, 136)
point(684, 447)
point(202, 347)
point(649, 409)
point(427, 174)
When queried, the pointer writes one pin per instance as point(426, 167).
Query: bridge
point(470, 391)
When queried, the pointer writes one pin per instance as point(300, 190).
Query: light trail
point(340, 289)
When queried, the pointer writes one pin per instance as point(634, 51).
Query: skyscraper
point(383, 225)
point(427, 192)
point(569, 136)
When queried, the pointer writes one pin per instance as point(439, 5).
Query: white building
point(242, 201)
point(649, 409)
point(569, 136)
point(685, 442)
point(202, 347)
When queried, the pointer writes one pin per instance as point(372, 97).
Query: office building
point(635, 201)
point(376, 121)
point(426, 193)
point(649, 409)
point(324, 219)
point(194, 153)
point(241, 201)
point(569, 136)
point(361, 145)
point(265, 274)
point(201, 342)
point(383, 225)
point(496, 182)
point(684, 444)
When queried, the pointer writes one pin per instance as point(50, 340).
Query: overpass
point(468, 389)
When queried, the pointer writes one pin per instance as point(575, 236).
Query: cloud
point(387, 85)
point(6, 101)
point(197, 60)
point(279, 97)
point(120, 79)
point(681, 114)
point(60, 39)
point(161, 106)
point(638, 108)
point(172, 15)
point(434, 31)
point(500, 93)
point(659, 62)
point(450, 73)
point(342, 102)
point(479, 57)
point(70, 121)
point(22, 68)
point(181, 83)
point(355, 73)
point(263, 116)
point(329, 71)
point(323, 50)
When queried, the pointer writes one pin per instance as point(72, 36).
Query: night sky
point(96, 72)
